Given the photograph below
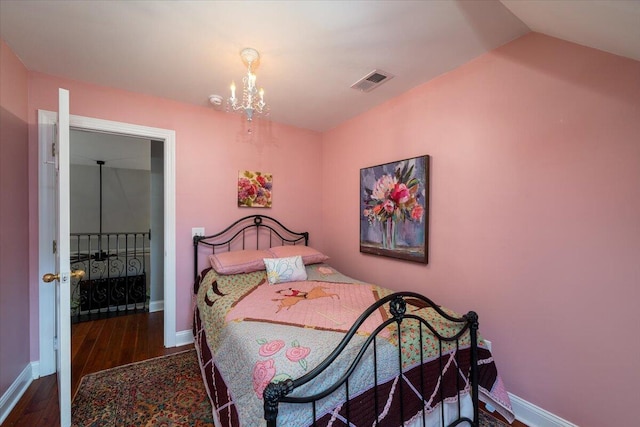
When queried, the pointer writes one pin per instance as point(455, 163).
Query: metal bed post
point(196, 239)
point(472, 318)
point(272, 395)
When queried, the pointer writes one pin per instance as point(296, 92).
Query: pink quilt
point(321, 305)
point(249, 333)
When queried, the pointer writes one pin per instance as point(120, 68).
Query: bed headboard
point(250, 232)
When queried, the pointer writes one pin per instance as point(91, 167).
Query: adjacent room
point(483, 154)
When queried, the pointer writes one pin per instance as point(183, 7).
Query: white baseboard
point(15, 391)
point(534, 416)
point(156, 306)
point(184, 337)
point(35, 370)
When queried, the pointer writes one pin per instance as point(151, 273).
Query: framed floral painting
point(394, 211)
point(254, 189)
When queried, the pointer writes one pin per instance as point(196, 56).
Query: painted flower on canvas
point(254, 189)
point(393, 197)
point(393, 209)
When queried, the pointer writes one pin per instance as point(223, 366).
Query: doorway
point(166, 138)
point(116, 198)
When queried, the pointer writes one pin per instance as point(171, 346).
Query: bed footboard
point(418, 390)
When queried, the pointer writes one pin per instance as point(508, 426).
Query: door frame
point(46, 132)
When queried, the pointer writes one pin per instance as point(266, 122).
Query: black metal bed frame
point(280, 392)
point(237, 233)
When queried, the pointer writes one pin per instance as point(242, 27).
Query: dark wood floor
point(98, 345)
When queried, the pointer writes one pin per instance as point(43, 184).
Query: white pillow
point(282, 270)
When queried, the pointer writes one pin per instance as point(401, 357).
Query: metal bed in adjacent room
point(115, 280)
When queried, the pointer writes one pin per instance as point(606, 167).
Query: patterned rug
point(165, 391)
point(488, 421)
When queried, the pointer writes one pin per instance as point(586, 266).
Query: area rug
point(488, 421)
point(165, 391)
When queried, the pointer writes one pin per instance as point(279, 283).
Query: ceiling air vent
point(372, 81)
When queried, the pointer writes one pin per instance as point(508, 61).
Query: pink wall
point(535, 214)
point(14, 225)
point(210, 150)
point(535, 204)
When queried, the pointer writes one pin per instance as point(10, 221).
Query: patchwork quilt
point(249, 333)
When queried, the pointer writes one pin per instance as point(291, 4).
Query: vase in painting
point(389, 234)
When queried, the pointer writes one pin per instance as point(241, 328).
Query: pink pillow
point(236, 262)
point(308, 254)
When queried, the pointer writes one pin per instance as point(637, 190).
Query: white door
point(62, 276)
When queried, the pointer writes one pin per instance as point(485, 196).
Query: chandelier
point(252, 102)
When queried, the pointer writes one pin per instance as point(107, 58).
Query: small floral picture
point(254, 189)
point(393, 209)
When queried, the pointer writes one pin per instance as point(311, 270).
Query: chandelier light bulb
point(252, 101)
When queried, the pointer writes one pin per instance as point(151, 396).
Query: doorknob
point(50, 277)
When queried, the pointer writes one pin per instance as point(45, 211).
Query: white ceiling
point(312, 51)
point(117, 151)
point(609, 25)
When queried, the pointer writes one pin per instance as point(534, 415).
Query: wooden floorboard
point(98, 345)
point(95, 346)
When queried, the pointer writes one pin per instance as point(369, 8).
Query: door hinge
point(55, 343)
point(55, 138)
point(55, 246)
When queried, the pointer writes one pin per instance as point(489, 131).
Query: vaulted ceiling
point(311, 51)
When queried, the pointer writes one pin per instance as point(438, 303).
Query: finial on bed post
point(472, 318)
point(271, 395)
point(398, 307)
